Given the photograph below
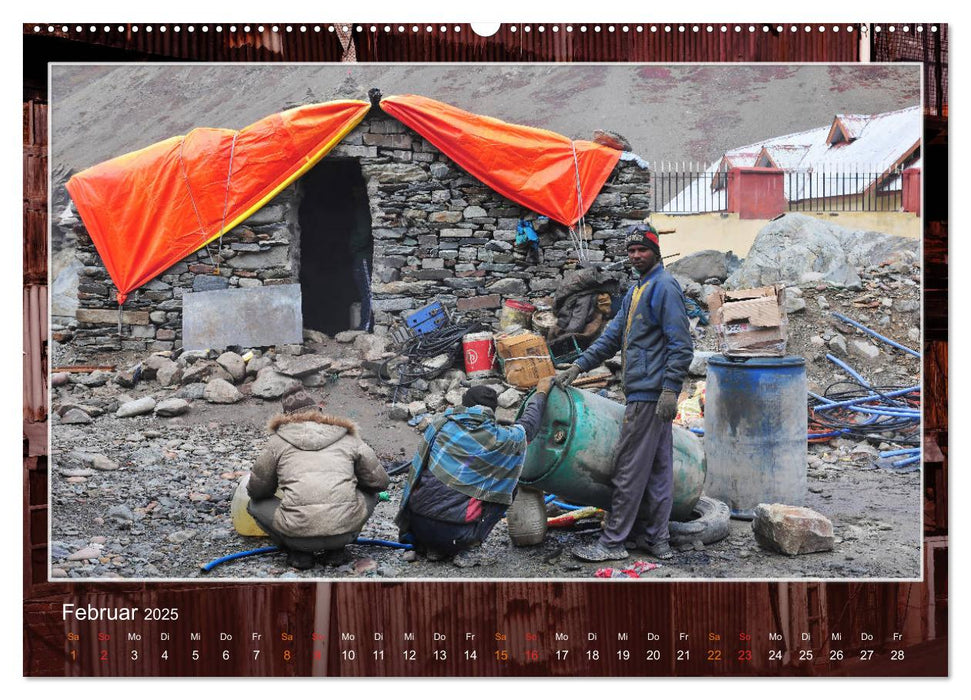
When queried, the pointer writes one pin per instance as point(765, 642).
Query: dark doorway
point(336, 247)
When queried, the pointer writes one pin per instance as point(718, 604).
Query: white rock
point(138, 407)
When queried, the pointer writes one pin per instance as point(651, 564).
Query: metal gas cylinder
point(573, 454)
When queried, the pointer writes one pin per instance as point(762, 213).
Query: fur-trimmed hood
point(311, 430)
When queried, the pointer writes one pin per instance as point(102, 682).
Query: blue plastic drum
point(755, 431)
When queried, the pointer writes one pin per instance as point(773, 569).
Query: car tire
point(709, 523)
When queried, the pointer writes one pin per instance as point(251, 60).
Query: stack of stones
point(439, 234)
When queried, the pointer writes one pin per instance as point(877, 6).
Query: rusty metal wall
point(35, 358)
point(35, 191)
point(667, 42)
point(207, 610)
point(924, 43)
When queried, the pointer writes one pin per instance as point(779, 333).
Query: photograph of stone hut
point(479, 193)
point(384, 201)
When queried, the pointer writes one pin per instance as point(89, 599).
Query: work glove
point(568, 376)
point(544, 385)
point(667, 405)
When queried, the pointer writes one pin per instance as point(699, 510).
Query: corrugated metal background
point(35, 359)
point(668, 42)
point(210, 611)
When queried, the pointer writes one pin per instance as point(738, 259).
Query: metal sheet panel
point(247, 317)
point(35, 357)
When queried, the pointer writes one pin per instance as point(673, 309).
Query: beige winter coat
point(321, 467)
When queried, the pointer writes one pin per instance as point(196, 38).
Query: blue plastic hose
point(897, 453)
point(905, 462)
point(863, 399)
point(267, 550)
point(876, 335)
point(384, 543)
point(239, 555)
point(849, 370)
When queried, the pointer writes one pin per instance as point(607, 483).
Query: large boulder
point(798, 248)
point(273, 385)
point(703, 265)
point(221, 391)
point(792, 529)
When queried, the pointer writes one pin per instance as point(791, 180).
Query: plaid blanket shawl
point(471, 453)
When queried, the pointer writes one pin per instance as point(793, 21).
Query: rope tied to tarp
point(195, 206)
point(578, 235)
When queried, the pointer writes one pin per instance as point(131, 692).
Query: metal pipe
point(876, 335)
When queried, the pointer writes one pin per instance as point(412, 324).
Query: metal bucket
point(573, 454)
point(480, 355)
point(755, 431)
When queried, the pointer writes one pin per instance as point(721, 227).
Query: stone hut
point(435, 233)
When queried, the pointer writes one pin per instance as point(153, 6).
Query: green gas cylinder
point(573, 454)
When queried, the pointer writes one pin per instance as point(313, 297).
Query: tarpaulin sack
point(539, 169)
point(148, 209)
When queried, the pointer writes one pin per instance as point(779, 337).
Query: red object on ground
point(756, 193)
point(148, 209)
point(533, 167)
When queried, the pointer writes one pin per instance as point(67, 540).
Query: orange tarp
point(148, 209)
point(536, 168)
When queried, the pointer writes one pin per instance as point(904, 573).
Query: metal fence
point(696, 188)
point(844, 189)
point(688, 188)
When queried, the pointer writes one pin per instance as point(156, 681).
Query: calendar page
point(539, 349)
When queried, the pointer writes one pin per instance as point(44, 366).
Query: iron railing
point(844, 189)
point(695, 188)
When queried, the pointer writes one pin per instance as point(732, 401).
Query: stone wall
point(438, 234)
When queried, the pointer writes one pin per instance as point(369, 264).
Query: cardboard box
point(750, 322)
point(525, 358)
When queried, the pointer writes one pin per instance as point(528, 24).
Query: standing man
point(652, 331)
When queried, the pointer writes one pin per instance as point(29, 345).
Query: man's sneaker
point(598, 551)
point(661, 550)
point(466, 558)
point(301, 560)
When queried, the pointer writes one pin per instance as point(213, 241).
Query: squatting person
point(464, 475)
point(652, 331)
point(328, 476)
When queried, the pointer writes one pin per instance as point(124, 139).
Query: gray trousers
point(264, 509)
point(643, 474)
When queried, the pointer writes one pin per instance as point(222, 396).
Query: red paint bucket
point(480, 354)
